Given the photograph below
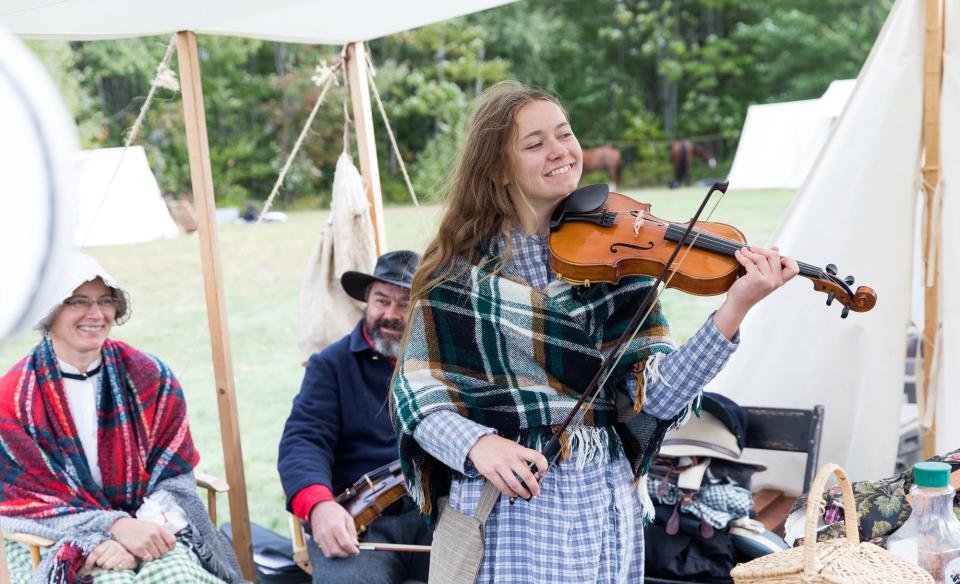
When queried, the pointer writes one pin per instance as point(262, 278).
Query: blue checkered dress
point(586, 524)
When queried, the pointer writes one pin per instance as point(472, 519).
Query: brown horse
point(605, 158)
point(681, 156)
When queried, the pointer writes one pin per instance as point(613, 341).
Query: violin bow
point(551, 449)
point(376, 546)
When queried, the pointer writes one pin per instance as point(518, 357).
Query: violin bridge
point(637, 223)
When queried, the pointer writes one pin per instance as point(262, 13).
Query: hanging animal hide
point(326, 313)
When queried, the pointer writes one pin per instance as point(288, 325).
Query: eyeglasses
point(84, 304)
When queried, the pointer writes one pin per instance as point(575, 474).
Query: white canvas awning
point(295, 21)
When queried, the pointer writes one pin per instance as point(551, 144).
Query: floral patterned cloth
point(881, 505)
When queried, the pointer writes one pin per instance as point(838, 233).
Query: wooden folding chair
point(213, 485)
point(299, 538)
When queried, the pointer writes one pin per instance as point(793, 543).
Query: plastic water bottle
point(930, 538)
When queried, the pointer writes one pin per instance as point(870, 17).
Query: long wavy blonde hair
point(479, 207)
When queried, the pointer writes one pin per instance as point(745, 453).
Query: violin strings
point(729, 246)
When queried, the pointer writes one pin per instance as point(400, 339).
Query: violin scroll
point(864, 299)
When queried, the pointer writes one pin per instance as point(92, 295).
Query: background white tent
point(856, 209)
point(780, 141)
point(119, 199)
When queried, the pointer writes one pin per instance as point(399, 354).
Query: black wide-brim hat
point(395, 267)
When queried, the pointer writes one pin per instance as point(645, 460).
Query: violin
point(367, 498)
point(602, 236)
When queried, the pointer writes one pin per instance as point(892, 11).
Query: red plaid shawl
point(143, 436)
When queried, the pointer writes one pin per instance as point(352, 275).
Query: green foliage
point(636, 73)
point(436, 162)
point(73, 84)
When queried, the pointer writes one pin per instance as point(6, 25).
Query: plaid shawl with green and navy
point(491, 348)
point(143, 439)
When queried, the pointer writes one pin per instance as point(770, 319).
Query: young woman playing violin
point(497, 352)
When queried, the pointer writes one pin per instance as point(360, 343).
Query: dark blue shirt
point(339, 427)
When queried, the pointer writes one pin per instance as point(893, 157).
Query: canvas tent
point(119, 200)
point(856, 209)
point(780, 141)
point(281, 20)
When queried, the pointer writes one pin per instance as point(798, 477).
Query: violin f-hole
point(650, 245)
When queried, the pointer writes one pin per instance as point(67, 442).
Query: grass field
point(263, 268)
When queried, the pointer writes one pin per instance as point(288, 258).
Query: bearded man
point(339, 430)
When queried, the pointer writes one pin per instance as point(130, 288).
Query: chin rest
point(583, 200)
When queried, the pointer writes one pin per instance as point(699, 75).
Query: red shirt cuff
point(304, 501)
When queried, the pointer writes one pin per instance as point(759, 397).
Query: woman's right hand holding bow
point(506, 464)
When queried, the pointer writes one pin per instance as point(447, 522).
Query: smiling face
point(78, 331)
point(385, 315)
point(547, 157)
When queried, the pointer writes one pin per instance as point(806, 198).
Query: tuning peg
point(845, 312)
point(829, 298)
point(832, 269)
point(849, 280)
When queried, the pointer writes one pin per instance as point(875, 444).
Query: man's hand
point(147, 541)
point(109, 555)
point(504, 463)
point(334, 530)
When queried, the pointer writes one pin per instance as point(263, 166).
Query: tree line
point(636, 73)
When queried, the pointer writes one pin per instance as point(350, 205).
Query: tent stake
point(366, 142)
point(932, 85)
point(201, 178)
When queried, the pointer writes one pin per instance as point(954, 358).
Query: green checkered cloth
point(179, 566)
point(18, 562)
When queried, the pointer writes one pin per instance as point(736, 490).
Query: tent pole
point(366, 142)
point(932, 84)
point(201, 178)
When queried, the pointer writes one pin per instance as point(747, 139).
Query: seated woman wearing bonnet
point(96, 453)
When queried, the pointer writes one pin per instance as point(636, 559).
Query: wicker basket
point(840, 561)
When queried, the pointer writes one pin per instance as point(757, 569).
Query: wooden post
point(201, 178)
point(366, 142)
point(932, 84)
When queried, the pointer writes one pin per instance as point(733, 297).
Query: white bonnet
point(79, 268)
